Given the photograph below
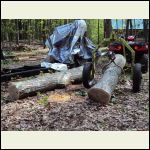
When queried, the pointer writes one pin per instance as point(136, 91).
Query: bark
point(146, 30)
point(107, 28)
point(129, 24)
point(127, 28)
point(29, 34)
point(98, 32)
point(45, 82)
point(102, 91)
point(17, 31)
point(131, 27)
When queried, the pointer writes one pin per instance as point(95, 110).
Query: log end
point(99, 95)
point(13, 92)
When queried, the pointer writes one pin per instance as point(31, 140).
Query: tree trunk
point(17, 31)
point(107, 28)
point(129, 23)
point(134, 27)
point(29, 31)
point(45, 82)
point(122, 25)
point(117, 25)
point(50, 26)
point(20, 28)
point(36, 29)
point(98, 32)
point(146, 30)
point(102, 91)
point(66, 21)
point(131, 27)
point(127, 28)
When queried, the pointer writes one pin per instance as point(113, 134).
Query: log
point(101, 92)
point(33, 53)
point(31, 58)
point(22, 89)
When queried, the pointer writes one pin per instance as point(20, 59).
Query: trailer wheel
point(88, 75)
point(144, 62)
point(137, 77)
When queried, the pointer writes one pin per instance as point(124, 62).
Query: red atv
point(141, 58)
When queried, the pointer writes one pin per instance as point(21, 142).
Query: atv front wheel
point(137, 77)
point(88, 75)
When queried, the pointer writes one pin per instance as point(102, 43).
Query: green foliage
point(146, 108)
point(7, 53)
point(81, 93)
point(33, 28)
point(104, 43)
point(29, 31)
point(92, 29)
point(43, 99)
point(5, 63)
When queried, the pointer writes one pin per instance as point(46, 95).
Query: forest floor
point(70, 109)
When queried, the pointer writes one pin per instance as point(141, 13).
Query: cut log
point(33, 53)
point(102, 91)
point(45, 82)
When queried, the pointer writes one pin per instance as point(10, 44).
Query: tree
point(117, 24)
point(129, 23)
point(146, 30)
point(17, 32)
point(107, 28)
point(29, 31)
point(98, 32)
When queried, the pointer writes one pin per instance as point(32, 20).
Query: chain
point(112, 61)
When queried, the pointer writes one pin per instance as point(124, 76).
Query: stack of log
point(100, 92)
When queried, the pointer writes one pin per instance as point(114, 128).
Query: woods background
point(16, 30)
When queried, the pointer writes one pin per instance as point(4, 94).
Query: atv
point(135, 52)
point(140, 64)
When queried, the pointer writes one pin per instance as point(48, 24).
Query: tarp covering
point(121, 23)
point(68, 40)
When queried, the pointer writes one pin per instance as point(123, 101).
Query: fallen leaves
point(70, 109)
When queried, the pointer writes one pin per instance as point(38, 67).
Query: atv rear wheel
point(144, 62)
point(88, 75)
point(137, 77)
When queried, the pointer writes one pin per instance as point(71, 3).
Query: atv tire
point(137, 77)
point(87, 75)
point(144, 62)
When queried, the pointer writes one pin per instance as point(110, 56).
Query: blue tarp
point(121, 23)
point(69, 40)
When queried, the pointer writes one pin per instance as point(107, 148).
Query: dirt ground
point(70, 109)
